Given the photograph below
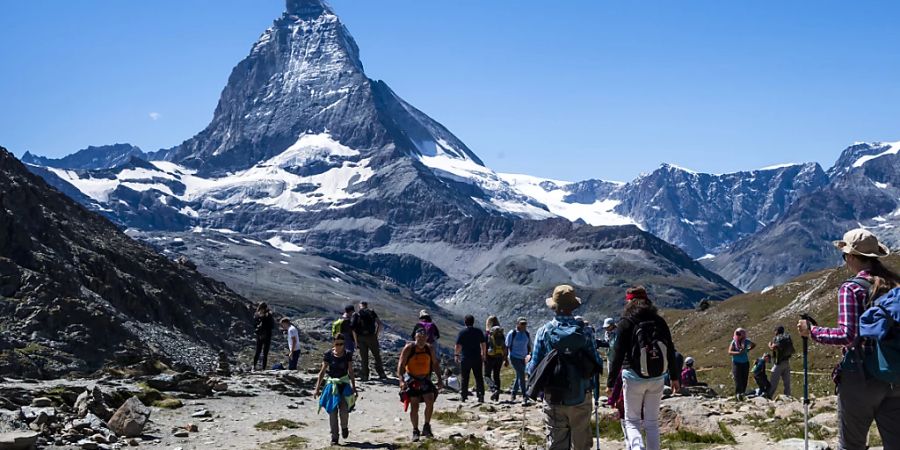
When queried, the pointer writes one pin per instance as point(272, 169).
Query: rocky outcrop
point(77, 294)
point(91, 158)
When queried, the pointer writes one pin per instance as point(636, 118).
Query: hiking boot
point(463, 398)
point(415, 435)
point(513, 398)
point(481, 399)
point(426, 431)
point(335, 441)
point(496, 396)
point(345, 432)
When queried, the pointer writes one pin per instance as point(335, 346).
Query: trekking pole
point(597, 420)
point(809, 321)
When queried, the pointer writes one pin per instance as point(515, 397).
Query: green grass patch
point(168, 403)
point(463, 443)
point(454, 417)
point(875, 437)
point(788, 428)
point(534, 439)
point(609, 429)
point(291, 442)
point(377, 430)
point(278, 425)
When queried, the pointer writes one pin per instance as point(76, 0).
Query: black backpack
point(648, 356)
point(367, 323)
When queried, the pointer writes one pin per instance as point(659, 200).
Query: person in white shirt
point(293, 339)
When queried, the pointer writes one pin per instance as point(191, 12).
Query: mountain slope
point(77, 294)
point(705, 334)
point(863, 190)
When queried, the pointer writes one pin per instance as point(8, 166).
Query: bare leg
point(414, 413)
point(429, 407)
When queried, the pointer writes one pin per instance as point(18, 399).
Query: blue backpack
point(575, 364)
point(881, 325)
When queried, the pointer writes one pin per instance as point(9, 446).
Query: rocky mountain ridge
point(76, 294)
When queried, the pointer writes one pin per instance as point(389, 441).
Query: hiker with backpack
point(739, 349)
point(470, 353)
point(431, 330)
point(293, 338)
point(563, 362)
point(644, 353)
point(263, 324)
point(868, 377)
point(338, 390)
point(518, 344)
point(782, 349)
point(343, 326)
point(366, 328)
point(496, 354)
point(761, 377)
point(418, 361)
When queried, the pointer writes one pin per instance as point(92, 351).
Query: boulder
point(785, 409)
point(91, 401)
point(130, 418)
point(42, 402)
point(685, 413)
point(18, 440)
point(198, 386)
point(30, 413)
point(89, 421)
point(164, 382)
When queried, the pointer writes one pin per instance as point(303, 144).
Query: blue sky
point(569, 90)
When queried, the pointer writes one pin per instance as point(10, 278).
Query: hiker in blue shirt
point(518, 341)
point(567, 403)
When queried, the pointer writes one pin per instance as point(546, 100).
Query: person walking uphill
point(470, 352)
point(563, 362)
point(518, 344)
point(863, 393)
point(263, 324)
point(338, 395)
point(739, 349)
point(783, 348)
point(366, 328)
point(293, 340)
point(645, 353)
point(496, 354)
point(418, 361)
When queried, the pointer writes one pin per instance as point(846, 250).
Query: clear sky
point(570, 89)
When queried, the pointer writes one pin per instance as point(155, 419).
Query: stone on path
point(18, 440)
point(130, 418)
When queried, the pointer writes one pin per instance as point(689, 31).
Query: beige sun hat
point(862, 242)
point(564, 298)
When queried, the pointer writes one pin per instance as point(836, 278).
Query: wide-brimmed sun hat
point(862, 242)
point(563, 298)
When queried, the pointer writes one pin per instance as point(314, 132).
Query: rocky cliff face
point(703, 213)
point(77, 294)
point(863, 189)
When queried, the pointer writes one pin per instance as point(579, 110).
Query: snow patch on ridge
point(552, 194)
point(892, 149)
point(283, 245)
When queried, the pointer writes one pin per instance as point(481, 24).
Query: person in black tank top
point(337, 363)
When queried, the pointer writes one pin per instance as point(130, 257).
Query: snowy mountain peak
point(306, 8)
point(860, 154)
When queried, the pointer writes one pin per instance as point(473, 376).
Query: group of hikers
point(561, 365)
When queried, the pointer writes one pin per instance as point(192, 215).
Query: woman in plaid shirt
point(861, 399)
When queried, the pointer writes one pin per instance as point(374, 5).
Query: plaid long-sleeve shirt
point(851, 301)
